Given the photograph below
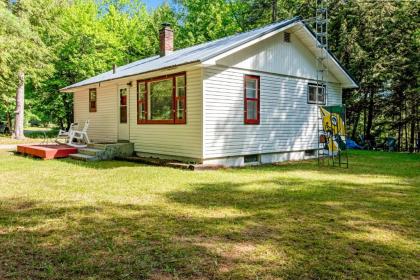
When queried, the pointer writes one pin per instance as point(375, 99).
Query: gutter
point(68, 89)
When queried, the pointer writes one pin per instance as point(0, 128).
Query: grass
point(32, 135)
point(63, 219)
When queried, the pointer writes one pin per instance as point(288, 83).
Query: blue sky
point(151, 4)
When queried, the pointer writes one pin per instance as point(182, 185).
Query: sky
point(151, 4)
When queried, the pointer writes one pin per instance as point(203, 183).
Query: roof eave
point(70, 89)
point(350, 86)
point(353, 83)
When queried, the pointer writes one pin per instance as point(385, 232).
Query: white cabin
point(247, 98)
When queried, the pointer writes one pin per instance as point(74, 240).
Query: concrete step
point(91, 151)
point(97, 146)
point(110, 150)
point(83, 157)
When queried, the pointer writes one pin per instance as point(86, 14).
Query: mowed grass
point(32, 135)
point(8, 140)
point(64, 219)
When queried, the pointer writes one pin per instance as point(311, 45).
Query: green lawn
point(32, 134)
point(7, 140)
point(63, 219)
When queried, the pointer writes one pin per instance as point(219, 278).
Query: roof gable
point(307, 43)
point(274, 55)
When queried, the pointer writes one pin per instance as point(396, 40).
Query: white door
point(123, 116)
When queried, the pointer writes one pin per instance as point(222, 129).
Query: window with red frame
point(162, 100)
point(252, 99)
point(92, 100)
point(180, 99)
point(123, 105)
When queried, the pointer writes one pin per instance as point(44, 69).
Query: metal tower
point(327, 140)
point(321, 33)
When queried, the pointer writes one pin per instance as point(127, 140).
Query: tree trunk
point(60, 123)
point(9, 121)
point(399, 132)
point(364, 115)
point(370, 116)
point(355, 125)
point(413, 126)
point(273, 10)
point(418, 138)
point(20, 107)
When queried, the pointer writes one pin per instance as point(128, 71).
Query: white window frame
point(317, 87)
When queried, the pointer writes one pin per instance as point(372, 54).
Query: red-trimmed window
point(92, 100)
point(123, 105)
point(180, 99)
point(252, 99)
point(141, 102)
point(162, 100)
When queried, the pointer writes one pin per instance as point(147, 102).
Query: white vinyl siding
point(287, 121)
point(184, 140)
point(103, 122)
point(273, 55)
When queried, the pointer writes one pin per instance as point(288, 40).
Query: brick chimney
point(166, 39)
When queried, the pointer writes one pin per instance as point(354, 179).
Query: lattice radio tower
point(321, 33)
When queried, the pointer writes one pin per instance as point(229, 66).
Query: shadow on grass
point(105, 164)
point(280, 228)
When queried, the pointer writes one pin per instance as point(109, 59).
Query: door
point(123, 120)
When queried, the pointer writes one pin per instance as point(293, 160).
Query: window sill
point(314, 103)
point(160, 122)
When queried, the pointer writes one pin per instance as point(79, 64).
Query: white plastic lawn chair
point(79, 138)
point(63, 135)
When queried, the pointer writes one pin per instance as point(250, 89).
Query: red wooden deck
point(47, 151)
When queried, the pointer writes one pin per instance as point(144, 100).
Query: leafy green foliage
point(21, 50)
point(203, 20)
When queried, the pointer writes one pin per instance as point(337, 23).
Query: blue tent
point(352, 145)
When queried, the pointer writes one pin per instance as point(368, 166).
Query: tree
point(83, 47)
point(403, 56)
point(23, 54)
point(203, 20)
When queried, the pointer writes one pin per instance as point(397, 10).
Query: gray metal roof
point(198, 53)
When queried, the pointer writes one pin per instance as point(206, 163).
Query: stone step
point(108, 150)
point(83, 157)
point(91, 151)
point(97, 146)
